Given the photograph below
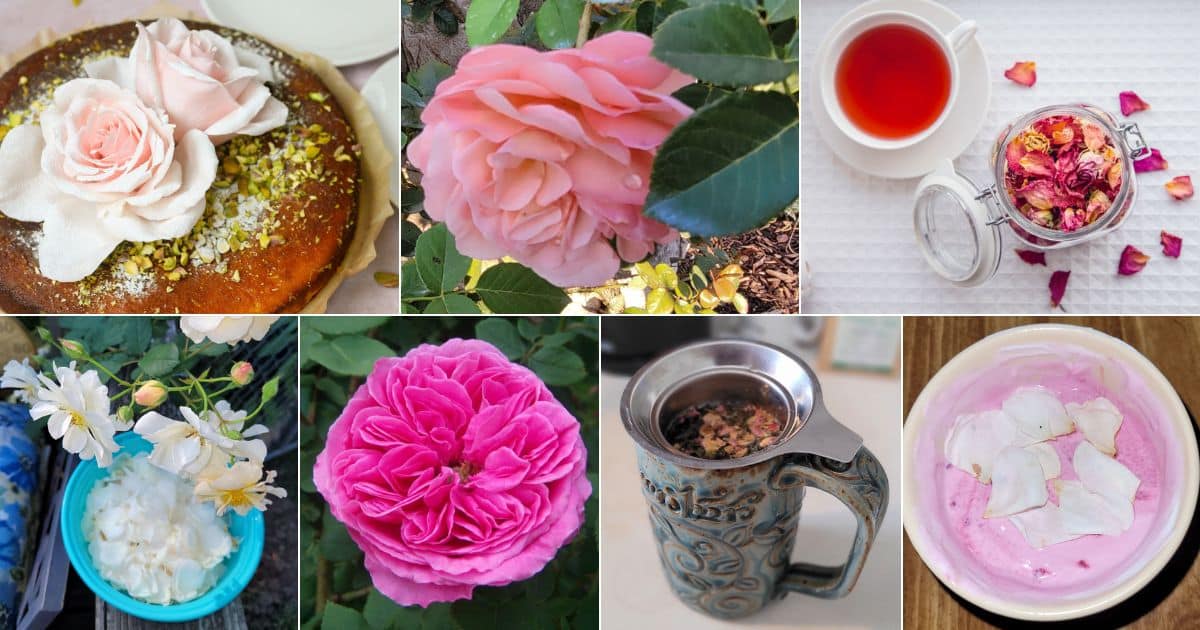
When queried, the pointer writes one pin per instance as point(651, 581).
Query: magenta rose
point(545, 156)
point(452, 468)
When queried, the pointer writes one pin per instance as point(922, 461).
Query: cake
point(276, 222)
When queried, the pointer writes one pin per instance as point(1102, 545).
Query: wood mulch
point(770, 256)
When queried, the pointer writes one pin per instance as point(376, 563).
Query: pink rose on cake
point(102, 169)
point(200, 79)
point(545, 156)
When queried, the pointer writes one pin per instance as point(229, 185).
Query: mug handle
point(961, 35)
point(862, 485)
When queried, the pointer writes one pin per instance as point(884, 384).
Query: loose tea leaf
point(723, 430)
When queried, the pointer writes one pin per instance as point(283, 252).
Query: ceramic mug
point(950, 43)
point(725, 529)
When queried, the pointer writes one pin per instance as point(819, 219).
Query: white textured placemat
point(857, 230)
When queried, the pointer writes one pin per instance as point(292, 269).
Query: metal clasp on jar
point(990, 197)
point(1134, 141)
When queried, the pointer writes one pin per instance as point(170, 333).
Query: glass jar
point(958, 224)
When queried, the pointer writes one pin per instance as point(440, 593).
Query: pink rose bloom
point(200, 79)
point(101, 168)
point(545, 156)
point(452, 468)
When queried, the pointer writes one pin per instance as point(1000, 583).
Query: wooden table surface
point(1173, 344)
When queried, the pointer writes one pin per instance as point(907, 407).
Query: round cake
point(277, 219)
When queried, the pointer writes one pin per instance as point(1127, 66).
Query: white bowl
point(1180, 465)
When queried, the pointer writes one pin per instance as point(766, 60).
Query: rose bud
point(242, 373)
point(74, 349)
point(150, 395)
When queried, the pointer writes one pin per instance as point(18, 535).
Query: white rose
point(226, 329)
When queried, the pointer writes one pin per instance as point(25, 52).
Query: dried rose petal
point(1132, 261)
point(1152, 162)
point(1022, 72)
point(1172, 244)
point(1131, 102)
point(1036, 163)
point(1039, 194)
point(1181, 187)
point(1058, 286)
point(1094, 137)
point(1031, 257)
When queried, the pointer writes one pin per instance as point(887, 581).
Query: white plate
point(956, 132)
point(382, 93)
point(346, 32)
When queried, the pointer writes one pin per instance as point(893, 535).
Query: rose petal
point(1181, 187)
point(1132, 261)
point(1058, 286)
point(1171, 244)
point(1131, 102)
point(1152, 162)
point(1022, 72)
point(1031, 257)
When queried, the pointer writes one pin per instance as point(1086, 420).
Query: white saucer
point(345, 33)
point(382, 93)
point(957, 131)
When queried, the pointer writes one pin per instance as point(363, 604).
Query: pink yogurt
point(992, 552)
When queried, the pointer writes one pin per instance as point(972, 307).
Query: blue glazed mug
point(726, 528)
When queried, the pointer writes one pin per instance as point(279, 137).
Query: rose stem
point(585, 23)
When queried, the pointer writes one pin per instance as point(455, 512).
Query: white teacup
point(950, 43)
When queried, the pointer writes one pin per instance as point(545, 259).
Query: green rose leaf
point(502, 334)
point(409, 233)
point(722, 44)
point(453, 304)
point(558, 22)
point(439, 264)
point(488, 20)
point(752, 5)
point(426, 79)
point(557, 366)
point(514, 288)
point(352, 355)
point(159, 360)
point(780, 10)
point(336, 544)
point(382, 613)
point(411, 284)
point(728, 168)
point(344, 325)
point(342, 618)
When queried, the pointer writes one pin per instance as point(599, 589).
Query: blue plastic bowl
point(239, 566)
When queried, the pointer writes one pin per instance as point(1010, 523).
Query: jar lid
point(953, 228)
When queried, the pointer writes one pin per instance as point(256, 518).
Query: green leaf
point(729, 167)
point(751, 5)
point(540, 587)
point(382, 613)
point(352, 355)
point(438, 262)
point(780, 10)
point(558, 22)
point(452, 303)
point(528, 329)
point(336, 544)
point(411, 284)
point(651, 13)
point(475, 615)
point(159, 360)
point(344, 325)
point(137, 334)
point(557, 366)
point(622, 21)
point(502, 334)
point(722, 44)
point(426, 78)
point(410, 97)
point(342, 618)
point(445, 21)
point(270, 389)
point(487, 20)
point(514, 288)
point(698, 95)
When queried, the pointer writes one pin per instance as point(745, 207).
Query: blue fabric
point(18, 482)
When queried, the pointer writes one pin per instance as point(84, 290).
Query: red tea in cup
point(893, 81)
